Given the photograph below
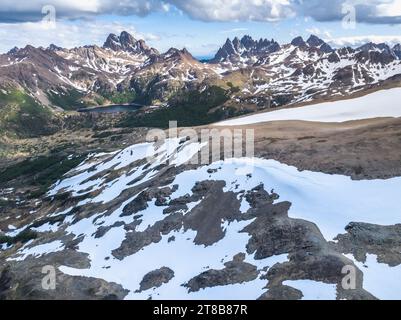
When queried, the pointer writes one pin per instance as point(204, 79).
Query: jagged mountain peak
point(178, 54)
point(314, 41)
point(383, 50)
point(112, 42)
point(127, 39)
point(298, 42)
point(371, 46)
point(397, 50)
point(122, 42)
point(28, 51)
point(379, 52)
point(172, 51)
point(326, 48)
point(345, 51)
point(126, 42)
point(247, 41)
point(245, 49)
point(53, 47)
point(186, 52)
point(228, 41)
point(13, 51)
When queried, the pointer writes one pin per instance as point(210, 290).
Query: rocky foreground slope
point(126, 225)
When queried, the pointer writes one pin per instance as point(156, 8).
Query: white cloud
point(234, 30)
point(208, 10)
point(370, 11)
point(319, 32)
point(314, 30)
point(360, 40)
point(65, 34)
point(20, 11)
point(236, 10)
point(202, 50)
point(390, 9)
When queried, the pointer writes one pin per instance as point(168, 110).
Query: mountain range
point(318, 196)
point(263, 72)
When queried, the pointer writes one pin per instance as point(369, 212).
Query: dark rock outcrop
point(156, 278)
point(235, 271)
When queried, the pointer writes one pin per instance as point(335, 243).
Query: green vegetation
point(23, 237)
point(282, 100)
point(123, 97)
point(102, 135)
point(41, 172)
point(188, 108)
point(4, 203)
point(70, 100)
point(100, 101)
point(233, 88)
point(73, 99)
point(21, 115)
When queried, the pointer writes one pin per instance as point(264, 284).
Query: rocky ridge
point(259, 70)
point(117, 212)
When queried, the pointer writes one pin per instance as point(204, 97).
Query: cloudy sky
point(199, 25)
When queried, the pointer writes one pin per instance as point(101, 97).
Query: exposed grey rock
point(310, 255)
point(235, 271)
point(233, 51)
point(363, 238)
point(16, 283)
point(271, 232)
point(206, 217)
point(298, 42)
point(316, 42)
point(140, 203)
point(135, 241)
point(397, 50)
point(126, 42)
point(282, 292)
point(156, 278)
